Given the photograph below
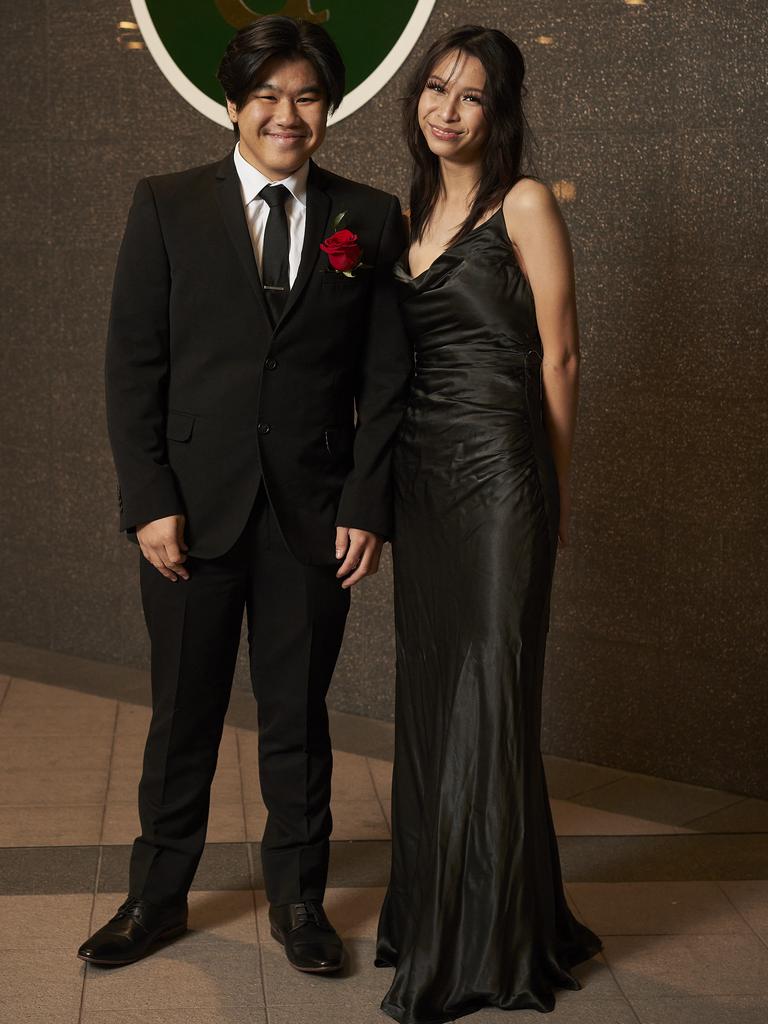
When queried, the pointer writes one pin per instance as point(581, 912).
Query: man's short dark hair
point(276, 36)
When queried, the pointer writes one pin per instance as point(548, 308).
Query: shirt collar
point(252, 181)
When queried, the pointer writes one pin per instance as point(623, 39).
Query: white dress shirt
point(252, 182)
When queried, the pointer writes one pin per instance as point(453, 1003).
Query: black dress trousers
point(296, 616)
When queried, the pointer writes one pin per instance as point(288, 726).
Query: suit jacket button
point(271, 364)
point(264, 428)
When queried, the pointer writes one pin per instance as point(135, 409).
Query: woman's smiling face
point(451, 108)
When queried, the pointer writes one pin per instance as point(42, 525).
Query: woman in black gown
point(475, 914)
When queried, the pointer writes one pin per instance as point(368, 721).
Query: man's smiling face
point(283, 121)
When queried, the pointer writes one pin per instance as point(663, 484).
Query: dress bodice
point(473, 303)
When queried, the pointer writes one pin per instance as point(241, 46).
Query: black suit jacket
point(205, 398)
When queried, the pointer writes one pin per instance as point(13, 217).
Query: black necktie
point(277, 243)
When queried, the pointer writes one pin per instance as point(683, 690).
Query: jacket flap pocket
point(179, 425)
point(339, 440)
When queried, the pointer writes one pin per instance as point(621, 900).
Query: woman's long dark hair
point(507, 148)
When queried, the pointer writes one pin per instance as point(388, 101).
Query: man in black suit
point(254, 386)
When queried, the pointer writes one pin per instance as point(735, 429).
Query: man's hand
point(363, 552)
point(162, 544)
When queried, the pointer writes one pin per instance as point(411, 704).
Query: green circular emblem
point(188, 37)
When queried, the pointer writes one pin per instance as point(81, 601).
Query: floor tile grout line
point(569, 892)
point(97, 879)
point(118, 705)
point(725, 807)
point(591, 789)
point(242, 788)
point(58, 803)
point(671, 935)
point(378, 797)
point(96, 882)
point(760, 938)
point(574, 797)
point(638, 836)
point(618, 985)
point(612, 782)
point(252, 879)
point(6, 691)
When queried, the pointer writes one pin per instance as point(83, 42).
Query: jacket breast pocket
point(340, 284)
point(179, 425)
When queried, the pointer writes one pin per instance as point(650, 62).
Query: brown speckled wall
point(652, 117)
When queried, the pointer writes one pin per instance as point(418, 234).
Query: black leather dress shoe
point(310, 940)
point(132, 933)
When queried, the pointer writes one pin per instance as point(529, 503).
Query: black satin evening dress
point(475, 914)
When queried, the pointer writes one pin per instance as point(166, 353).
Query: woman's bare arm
point(543, 247)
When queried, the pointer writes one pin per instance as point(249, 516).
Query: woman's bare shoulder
point(529, 196)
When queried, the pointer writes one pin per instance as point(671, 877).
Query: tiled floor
point(672, 876)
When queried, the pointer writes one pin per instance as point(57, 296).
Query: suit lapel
point(230, 202)
point(318, 213)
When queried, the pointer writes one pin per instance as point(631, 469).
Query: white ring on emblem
point(217, 112)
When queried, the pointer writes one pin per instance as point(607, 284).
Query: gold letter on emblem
point(238, 14)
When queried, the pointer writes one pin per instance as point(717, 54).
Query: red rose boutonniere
point(343, 250)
